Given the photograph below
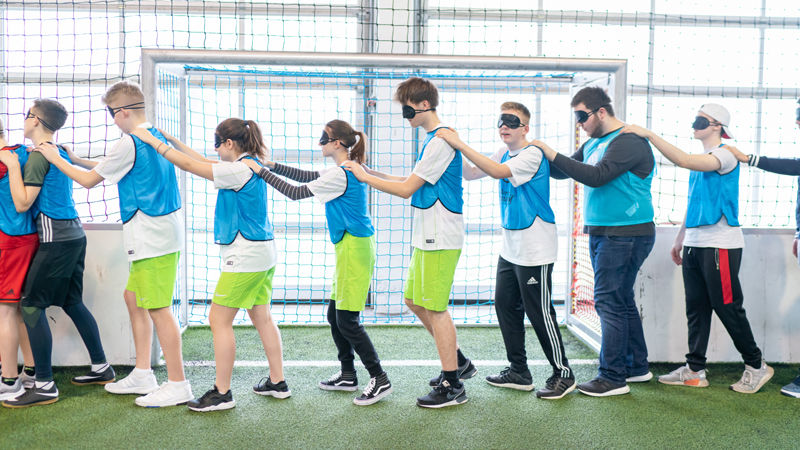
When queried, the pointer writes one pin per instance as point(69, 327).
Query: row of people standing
point(618, 169)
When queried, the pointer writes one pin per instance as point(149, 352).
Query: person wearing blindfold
point(152, 228)
point(781, 166)
point(711, 240)
point(530, 248)
point(617, 171)
point(19, 242)
point(353, 236)
point(55, 277)
point(247, 248)
point(437, 236)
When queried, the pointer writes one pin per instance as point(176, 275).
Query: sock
point(140, 373)
point(179, 383)
point(462, 360)
point(9, 381)
point(29, 371)
point(99, 367)
point(451, 376)
point(44, 384)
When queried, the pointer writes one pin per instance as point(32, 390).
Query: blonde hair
point(519, 107)
point(127, 89)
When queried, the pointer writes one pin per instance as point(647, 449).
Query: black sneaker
point(443, 395)
point(212, 401)
point(44, 395)
point(556, 387)
point(377, 388)
point(104, 376)
point(277, 390)
point(465, 372)
point(340, 381)
point(510, 379)
point(603, 388)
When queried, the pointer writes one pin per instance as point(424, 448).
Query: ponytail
point(245, 133)
point(354, 141)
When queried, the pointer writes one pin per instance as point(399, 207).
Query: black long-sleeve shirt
point(781, 166)
point(626, 153)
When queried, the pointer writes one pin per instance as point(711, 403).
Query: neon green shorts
point(430, 278)
point(153, 280)
point(355, 262)
point(244, 289)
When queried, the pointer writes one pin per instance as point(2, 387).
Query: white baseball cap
point(721, 115)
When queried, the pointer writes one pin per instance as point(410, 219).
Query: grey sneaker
point(684, 376)
point(510, 379)
point(753, 379)
point(792, 389)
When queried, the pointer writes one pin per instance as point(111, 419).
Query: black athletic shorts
point(56, 275)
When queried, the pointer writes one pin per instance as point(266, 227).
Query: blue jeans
point(616, 261)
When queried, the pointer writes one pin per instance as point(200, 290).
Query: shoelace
point(747, 379)
point(370, 386)
point(551, 382)
point(335, 377)
point(262, 382)
point(158, 389)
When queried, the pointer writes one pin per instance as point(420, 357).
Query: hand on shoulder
point(737, 153)
point(356, 168)
point(636, 130)
point(449, 135)
point(252, 164)
point(8, 157)
point(48, 150)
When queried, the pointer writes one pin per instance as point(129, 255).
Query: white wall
point(103, 283)
point(770, 278)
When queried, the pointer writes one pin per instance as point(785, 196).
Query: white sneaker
point(27, 380)
point(134, 385)
point(11, 392)
point(168, 394)
point(640, 379)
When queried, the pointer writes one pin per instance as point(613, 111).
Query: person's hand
point(170, 138)
point(549, 153)
point(356, 168)
point(635, 129)
point(794, 247)
point(738, 154)
point(48, 150)
point(148, 138)
point(70, 153)
point(675, 253)
point(252, 164)
point(9, 158)
point(450, 136)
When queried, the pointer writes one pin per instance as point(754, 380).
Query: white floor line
point(389, 363)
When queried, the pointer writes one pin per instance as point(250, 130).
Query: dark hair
point(416, 90)
point(355, 141)
point(594, 98)
point(51, 112)
point(246, 133)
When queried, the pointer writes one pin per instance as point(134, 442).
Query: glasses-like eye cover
point(509, 120)
point(701, 123)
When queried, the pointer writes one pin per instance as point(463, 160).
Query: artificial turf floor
point(652, 416)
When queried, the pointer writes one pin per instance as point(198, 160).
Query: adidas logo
point(10, 292)
point(533, 281)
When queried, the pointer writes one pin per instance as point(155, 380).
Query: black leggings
point(42, 340)
point(349, 334)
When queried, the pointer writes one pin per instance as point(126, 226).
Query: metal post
point(183, 132)
point(651, 65)
point(755, 175)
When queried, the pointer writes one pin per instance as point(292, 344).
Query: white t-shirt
point(536, 245)
point(436, 228)
point(242, 255)
point(144, 236)
point(331, 184)
point(719, 235)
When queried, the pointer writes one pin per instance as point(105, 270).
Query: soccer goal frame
point(611, 73)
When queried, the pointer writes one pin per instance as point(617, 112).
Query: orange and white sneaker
point(684, 376)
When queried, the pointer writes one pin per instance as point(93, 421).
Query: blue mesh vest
point(447, 190)
point(55, 199)
point(243, 211)
point(519, 206)
point(13, 223)
point(349, 212)
point(151, 185)
point(625, 200)
point(712, 196)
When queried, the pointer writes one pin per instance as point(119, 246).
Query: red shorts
point(16, 255)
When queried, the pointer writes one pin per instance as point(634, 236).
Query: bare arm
point(483, 164)
point(23, 196)
point(183, 148)
point(87, 179)
point(404, 189)
point(700, 163)
point(677, 246)
point(383, 176)
point(470, 172)
point(181, 160)
point(87, 164)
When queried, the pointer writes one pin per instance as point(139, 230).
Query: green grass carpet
point(652, 416)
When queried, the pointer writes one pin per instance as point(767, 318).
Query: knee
point(409, 303)
point(130, 298)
